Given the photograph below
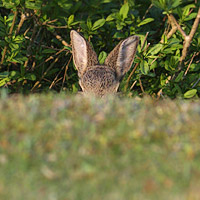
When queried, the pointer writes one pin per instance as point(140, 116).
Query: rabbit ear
point(122, 56)
point(83, 54)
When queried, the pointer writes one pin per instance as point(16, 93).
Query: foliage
point(36, 52)
point(68, 147)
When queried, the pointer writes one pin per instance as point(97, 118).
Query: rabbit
point(101, 80)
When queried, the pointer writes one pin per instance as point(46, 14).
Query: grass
point(58, 147)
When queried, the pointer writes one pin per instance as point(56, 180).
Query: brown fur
point(100, 80)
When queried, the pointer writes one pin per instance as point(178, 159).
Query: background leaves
point(35, 43)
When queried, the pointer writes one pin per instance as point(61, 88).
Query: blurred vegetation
point(58, 147)
point(72, 148)
point(36, 52)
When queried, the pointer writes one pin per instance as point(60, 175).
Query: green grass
point(58, 147)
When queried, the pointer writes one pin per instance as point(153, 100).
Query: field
point(56, 144)
point(60, 147)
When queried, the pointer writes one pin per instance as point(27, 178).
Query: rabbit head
point(100, 80)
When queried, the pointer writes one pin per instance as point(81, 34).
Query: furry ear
point(122, 56)
point(83, 54)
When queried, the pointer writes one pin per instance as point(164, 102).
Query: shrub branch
point(187, 38)
point(23, 18)
point(10, 33)
point(186, 44)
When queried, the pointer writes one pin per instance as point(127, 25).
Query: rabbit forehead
point(99, 78)
point(101, 68)
point(99, 73)
point(99, 87)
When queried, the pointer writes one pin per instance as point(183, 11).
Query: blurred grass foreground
point(57, 147)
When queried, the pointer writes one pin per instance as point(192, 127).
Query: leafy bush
point(36, 52)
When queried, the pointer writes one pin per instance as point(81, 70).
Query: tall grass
point(58, 147)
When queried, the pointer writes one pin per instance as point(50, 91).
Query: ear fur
point(122, 56)
point(83, 54)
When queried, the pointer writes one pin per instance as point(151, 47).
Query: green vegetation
point(58, 147)
point(36, 52)
point(64, 147)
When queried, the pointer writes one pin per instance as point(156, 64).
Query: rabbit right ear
point(122, 56)
point(83, 54)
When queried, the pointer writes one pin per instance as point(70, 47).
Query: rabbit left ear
point(122, 56)
point(83, 54)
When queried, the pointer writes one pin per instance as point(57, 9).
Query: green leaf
point(154, 50)
point(176, 3)
point(99, 23)
point(145, 21)
point(178, 88)
point(194, 67)
point(18, 39)
point(30, 76)
point(14, 74)
point(52, 72)
point(33, 5)
point(76, 6)
point(124, 11)
point(191, 16)
point(163, 79)
point(65, 4)
point(187, 9)
point(4, 74)
point(190, 93)
point(74, 23)
point(22, 69)
point(102, 57)
point(158, 4)
point(11, 4)
point(153, 65)
point(179, 77)
point(68, 48)
point(118, 35)
point(74, 88)
point(49, 51)
point(110, 17)
point(89, 23)
point(4, 81)
point(144, 67)
point(14, 46)
point(150, 74)
point(70, 20)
